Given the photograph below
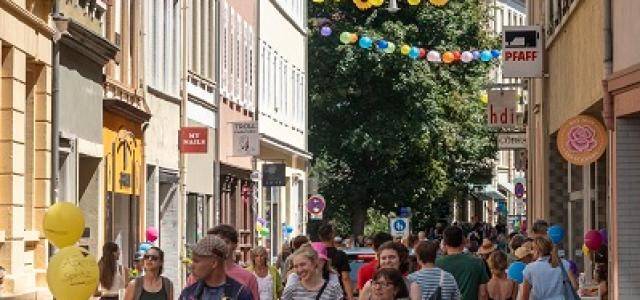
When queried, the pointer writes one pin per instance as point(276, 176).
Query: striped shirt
point(429, 280)
point(295, 291)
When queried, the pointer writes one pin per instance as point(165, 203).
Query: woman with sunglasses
point(151, 286)
point(113, 277)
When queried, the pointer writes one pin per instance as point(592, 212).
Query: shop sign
point(193, 139)
point(582, 140)
point(508, 141)
point(274, 175)
point(246, 139)
point(501, 109)
point(522, 51)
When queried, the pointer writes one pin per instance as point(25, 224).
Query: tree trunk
point(358, 218)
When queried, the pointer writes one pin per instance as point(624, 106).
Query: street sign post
point(399, 226)
point(522, 51)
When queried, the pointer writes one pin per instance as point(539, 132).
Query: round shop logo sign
point(582, 140)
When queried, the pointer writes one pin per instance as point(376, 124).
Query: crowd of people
point(458, 262)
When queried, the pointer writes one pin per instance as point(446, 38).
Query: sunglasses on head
point(151, 257)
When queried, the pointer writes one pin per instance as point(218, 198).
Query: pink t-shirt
point(246, 278)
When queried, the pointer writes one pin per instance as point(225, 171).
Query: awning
point(488, 192)
point(509, 187)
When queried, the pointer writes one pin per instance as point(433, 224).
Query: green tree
point(388, 131)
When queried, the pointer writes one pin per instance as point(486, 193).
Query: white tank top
point(265, 286)
point(118, 284)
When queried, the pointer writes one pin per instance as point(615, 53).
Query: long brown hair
point(545, 247)
point(255, 252)
point(108, 264)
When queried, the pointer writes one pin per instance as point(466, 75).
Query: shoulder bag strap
point(324, 286)
point(567, 281)
point(138, 286)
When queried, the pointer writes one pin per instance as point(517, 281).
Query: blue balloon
point(382, 44)
point(476, 54)
point(414, 52)
point(515, 271)
point(496, 53)
point(289, 229)
point(555, 233)
point(144, 247)
point(485, 55)
point(365, 42)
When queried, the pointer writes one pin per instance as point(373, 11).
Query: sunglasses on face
point(151, 257)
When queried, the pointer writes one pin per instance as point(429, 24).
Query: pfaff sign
point(193, 139)
point(522, 51)
point(501, 111)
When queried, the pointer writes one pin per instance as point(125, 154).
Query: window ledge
point(557, 29)
point(2, 237)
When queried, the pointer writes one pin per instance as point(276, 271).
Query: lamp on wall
point(393, 6)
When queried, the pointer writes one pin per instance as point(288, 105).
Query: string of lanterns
point(393, 4)
point(413, 52)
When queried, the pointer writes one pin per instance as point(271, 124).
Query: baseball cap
point(210, 245)
point(321, 249)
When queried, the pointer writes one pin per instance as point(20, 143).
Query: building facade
point(161, 62)
point(125, 118)
point(83, 52)
point(620, 108)
point(25, 144)
point(282, 114)
point(571, 196)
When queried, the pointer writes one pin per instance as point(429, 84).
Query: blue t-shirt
point(232, 289)
point(546, 282)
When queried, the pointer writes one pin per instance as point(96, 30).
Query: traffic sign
point(316, 205)
point(519, 190)
point(399, 226)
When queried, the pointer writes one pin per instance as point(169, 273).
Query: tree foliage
point(388, 131)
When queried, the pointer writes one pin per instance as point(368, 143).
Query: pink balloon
point(152, 234)
point(593, 240)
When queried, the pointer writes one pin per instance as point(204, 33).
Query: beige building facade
point(25, 144)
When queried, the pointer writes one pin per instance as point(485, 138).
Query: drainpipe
point(216, 155)
point(609, 122)
point(182, 163)
point(55, 109)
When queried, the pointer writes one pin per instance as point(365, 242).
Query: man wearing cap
point(230, 236)
point(209, 257)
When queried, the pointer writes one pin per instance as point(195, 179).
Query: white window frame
point(225, 50)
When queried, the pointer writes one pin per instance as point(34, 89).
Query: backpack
point(167, 287)
point(437, 294)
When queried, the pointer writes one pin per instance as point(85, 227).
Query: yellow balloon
point(414, 2)
point(72, 274)
point(63, 224)
point(377, 2)
point(484, 98)
point(438, 2)
point(585, 251)
point(405, 49)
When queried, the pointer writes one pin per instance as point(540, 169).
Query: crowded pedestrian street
point(319, 149)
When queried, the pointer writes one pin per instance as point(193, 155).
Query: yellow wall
point(574, 64)
point(115, 126)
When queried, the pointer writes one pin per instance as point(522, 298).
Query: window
point(224, 48)
point(232, 54)
point(237, 92)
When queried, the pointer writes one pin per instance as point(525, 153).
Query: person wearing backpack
point(209, 256)
point(431, 282)
point(151, 286)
